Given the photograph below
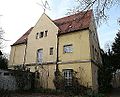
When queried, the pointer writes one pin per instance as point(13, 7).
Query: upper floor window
point(51, 51)
point(46, 32)
point(68, 48)
point(41, 34)
point(37, 35)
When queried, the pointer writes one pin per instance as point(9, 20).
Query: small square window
point(41, 34)
point(67, 48)
point(51, 51)
point(46, 32)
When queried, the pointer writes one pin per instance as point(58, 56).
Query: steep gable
point(67, 24)
point(23, 39)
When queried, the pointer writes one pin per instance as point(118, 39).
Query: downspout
point(57, 69)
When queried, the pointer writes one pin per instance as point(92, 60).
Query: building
point(71, 42)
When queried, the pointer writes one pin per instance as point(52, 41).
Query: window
point(68, 48)
point(41, 34)
point(6, 74)
point(40, 55)
point(68, 75)
point(51, 51)
point(37, 34)
point(46, 32)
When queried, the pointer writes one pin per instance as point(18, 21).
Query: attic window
point(37, 34)
point(41, 34)
point(68, 48)
point(46, 32)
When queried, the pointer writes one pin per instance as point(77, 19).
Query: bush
point(5, 93)
point(48, 91)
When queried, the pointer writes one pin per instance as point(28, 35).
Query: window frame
point(51, 51)
point(38, 55)
point(46, 33)
point(37, 35)
point(41, 34)
point(70, 48)
point(68, 76)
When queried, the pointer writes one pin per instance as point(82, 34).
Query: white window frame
point(46, 33)
point(37, 35)
point(51, 50)
point(40, 57)
point(68, 76)
point(68, 48)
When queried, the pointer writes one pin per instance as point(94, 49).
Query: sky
point(19, 15)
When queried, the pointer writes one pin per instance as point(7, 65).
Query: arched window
point(39, 56)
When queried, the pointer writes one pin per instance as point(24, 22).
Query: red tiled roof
point(74, 22)
point(67, 24)
point(23, 39)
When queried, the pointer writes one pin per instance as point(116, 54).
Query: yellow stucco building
point(71, 42)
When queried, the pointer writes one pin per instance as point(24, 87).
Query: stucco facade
point(66, 42)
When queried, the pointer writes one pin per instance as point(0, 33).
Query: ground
point(35, 95)
point(115, 93)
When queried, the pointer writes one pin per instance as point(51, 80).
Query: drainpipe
point(57, 60)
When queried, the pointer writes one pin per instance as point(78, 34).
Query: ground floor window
point(68, 76)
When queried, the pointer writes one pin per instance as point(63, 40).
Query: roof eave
point(87, 28)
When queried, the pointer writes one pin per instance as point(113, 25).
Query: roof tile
point(23, 39)
point(67, 24)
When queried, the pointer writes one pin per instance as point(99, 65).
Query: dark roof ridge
point(71, 23)
point(73, 14)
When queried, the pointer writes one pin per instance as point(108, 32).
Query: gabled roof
point(23, 39)
point(74, 22)
point(67, 24)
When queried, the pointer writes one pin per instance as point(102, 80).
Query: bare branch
point(100, 8)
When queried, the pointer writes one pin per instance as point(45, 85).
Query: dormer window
point(41, 34)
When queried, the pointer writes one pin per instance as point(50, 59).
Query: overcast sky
point(20, 15)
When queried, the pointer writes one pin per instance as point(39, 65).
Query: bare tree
point(100, 8)
point(1, 38)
